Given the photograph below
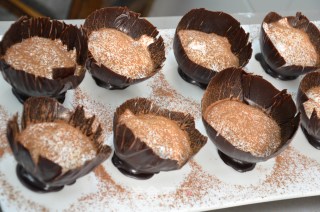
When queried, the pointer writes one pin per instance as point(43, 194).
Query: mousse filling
point(121, 53)
point(58, 142)
point(38, 56)
point(208, 50)
point(246, 127)
point(161, 134)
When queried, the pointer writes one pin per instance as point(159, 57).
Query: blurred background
point(79, 9)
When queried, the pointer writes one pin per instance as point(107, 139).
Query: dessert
point(308, 102)
point(207, 42)
point(122, 51)
point(53, 145)
point(148, 140)
point(43, 57)
point(247, 118)
point(289, 46)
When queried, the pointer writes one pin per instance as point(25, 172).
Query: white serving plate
point(204, 183)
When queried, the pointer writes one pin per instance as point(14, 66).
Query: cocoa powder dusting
point(103, 113)
point(15, 197)
point(167, 97)
point(4, 146)
point(289, 169)
point(196, 185)
point(101, 173)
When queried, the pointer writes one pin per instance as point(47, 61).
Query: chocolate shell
point(219, 23)
point(135, 158)
point(46, 175)
point(252, 90)
point(130, 23)
point(310, 126)
point(271, 60)
point(25, 84)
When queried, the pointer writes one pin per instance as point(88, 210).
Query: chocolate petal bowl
point(206, 21)
point(133, 157)
point(271, 60)
point(25, 84)
point(255, 91)
point(45, 175)
point(130, 23)
point(310, 125)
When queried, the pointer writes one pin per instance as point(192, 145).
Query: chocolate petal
point(72, 175)
point(229, 84)
point(283, 108)
point(254, 86)
point(46, 170)
point(312, 124)
point(42, 109)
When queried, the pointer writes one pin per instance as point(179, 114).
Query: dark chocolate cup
point(271, 60)
point(24, 84)
point(310, 126)
point(45, 175)
point(206, 21)
point(130, 23)
point(252, 90)
point(135, 158)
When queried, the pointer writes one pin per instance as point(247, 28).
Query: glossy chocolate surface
point(237, 165)
point(270, 71)
point(310, 126)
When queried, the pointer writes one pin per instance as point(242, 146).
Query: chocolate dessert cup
point(206, 21)
point(133, 157)
point(234, 83)
point(130, 23)
point(270, 58)
point(24, 84)
point(44, 175)
point(309, 125)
